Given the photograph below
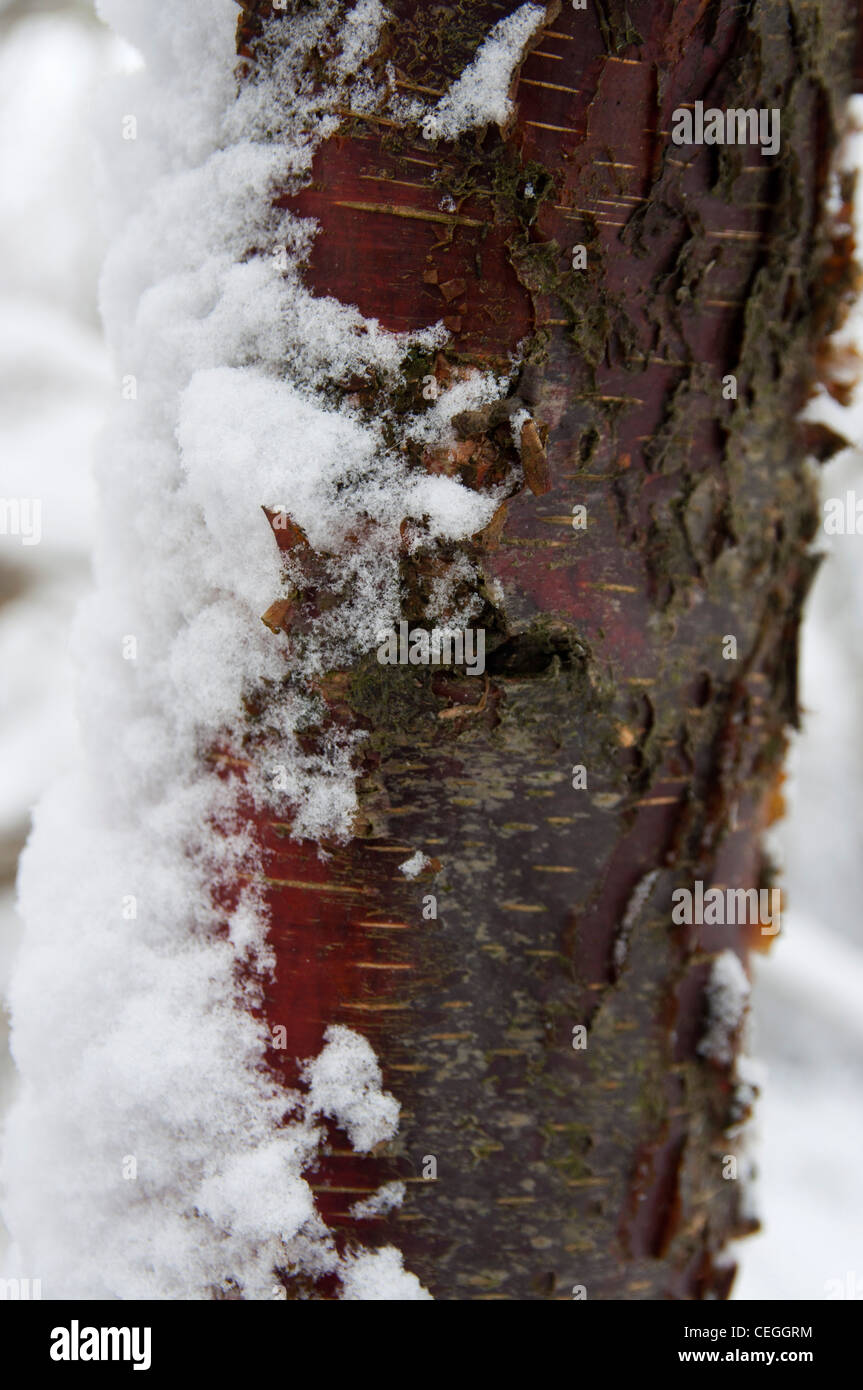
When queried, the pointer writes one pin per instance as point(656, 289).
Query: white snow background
point(56, 388)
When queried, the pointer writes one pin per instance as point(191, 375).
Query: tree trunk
point(659, 381)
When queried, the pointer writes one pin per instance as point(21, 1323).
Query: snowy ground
point(55, 378)
point(809, 990)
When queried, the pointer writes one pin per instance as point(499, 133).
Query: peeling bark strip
point(561, 1166)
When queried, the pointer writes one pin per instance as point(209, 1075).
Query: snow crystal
point(517, 423)
point(344, 1083)
point(389, 1195)
point(380, 1275)
point(362, 36)
point(414, 866)
point(750, 1080)
point(727, 998)
point(261, 1191)
point(481, 93)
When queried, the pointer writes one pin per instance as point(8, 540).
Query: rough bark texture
point(556, 1167)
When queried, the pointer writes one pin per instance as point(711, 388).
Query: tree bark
point(558, 1168)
